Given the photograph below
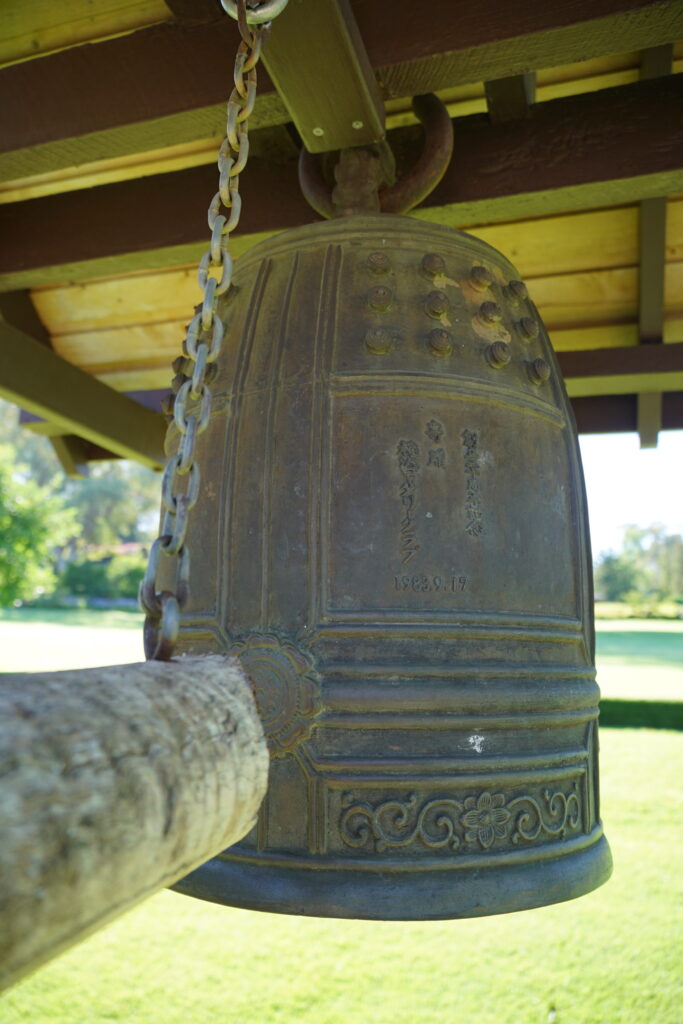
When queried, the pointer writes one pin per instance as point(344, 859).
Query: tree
point(615, 577)
point(650, 567)
point(34, 523)
point(118, 501)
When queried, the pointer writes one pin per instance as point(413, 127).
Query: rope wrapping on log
point(115, 782)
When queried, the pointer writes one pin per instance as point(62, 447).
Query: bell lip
point(401, 895)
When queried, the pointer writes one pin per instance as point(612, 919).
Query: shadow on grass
point(650, 648)
point(641, 714)
point(106, 618)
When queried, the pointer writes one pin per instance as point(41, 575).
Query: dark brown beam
point(37, 379)
point(612, 414)
point(595, 149)
point(615, 371)
point(601, 149)
point(168, 84)
point(655, 63)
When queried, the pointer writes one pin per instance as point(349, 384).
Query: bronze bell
point(391, 535)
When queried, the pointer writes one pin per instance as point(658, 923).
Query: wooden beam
point(569, 153)
point(38, 380)
point(619, 371)
point(655, 63)
point(590, 150)
point(70, 450)
point(17, 310)
point(122, 780)
point(610, 414)
point(174, 87)
point(649, 418)
point(509, 99)
point(318, 63)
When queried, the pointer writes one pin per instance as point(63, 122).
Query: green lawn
point(640, 658)
point(37, 639)
point(612, 957)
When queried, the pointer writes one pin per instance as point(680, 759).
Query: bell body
point(392, 536)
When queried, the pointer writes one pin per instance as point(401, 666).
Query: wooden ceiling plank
point(35, 28)
point(40, 381)
point(316, 60)
point(174, 74)
point(570, 153)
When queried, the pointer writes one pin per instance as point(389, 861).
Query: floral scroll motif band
point(476, 822)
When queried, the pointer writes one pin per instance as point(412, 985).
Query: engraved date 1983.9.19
point(419, 583)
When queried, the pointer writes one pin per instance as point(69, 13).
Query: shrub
point(112, 577)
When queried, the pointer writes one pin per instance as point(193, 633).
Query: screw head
point(436, 304)
point(378, 262)
point(380, 298)
point(440, 342)
point(481, 278)
point(357, 125)
point(539, 371)
point(528, 327)
point(498, 354)
point(318, 131)
point(433, 264)
point(517, 291)
point(490, 313)
point(378, 340)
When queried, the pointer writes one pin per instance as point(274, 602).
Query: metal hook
point(414, 186)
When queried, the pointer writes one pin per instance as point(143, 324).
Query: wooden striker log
point(115, 782)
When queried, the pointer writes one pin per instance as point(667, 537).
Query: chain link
point(192, 407)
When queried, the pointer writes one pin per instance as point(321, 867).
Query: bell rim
point(406, 895)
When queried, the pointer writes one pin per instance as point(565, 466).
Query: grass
point(612, 957)
point(640, 658)
point(49, 639)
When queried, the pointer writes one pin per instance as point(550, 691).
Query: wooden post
point(116, 782)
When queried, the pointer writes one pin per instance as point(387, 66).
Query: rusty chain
point(192, 407)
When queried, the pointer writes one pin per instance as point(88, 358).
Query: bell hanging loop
point(393, 196)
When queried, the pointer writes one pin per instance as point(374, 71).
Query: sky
point(626, 484)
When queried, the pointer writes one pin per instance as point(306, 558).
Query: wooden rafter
point(608, 414)
point(655, 63)
point(618, 371)
point(37, 379)
point(569, 153)
point(18, 311)
point(174, 87)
